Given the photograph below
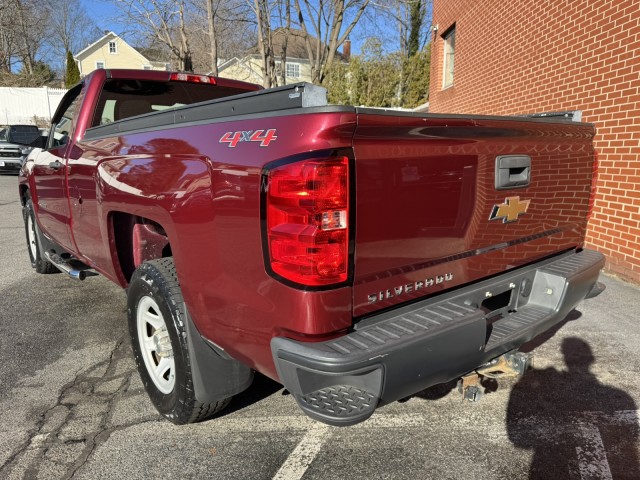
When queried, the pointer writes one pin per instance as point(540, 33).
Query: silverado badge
point(510, 210)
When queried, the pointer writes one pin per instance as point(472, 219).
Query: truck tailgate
point(444, 201)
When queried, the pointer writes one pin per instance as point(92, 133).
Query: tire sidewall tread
point(158, 279)
point(39, 263)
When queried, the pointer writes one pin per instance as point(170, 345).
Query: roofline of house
point(115, 35)
point(233, 60)
point(81, 52)
point(228, 63)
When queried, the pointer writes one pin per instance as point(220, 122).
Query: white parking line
point(591, 456)
point(305, 452)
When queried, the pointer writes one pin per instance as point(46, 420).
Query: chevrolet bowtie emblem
point(510, 210)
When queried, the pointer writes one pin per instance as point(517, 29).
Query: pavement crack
point(33, 433)
point(6, 466)
point(79, 417)
point(95, 441)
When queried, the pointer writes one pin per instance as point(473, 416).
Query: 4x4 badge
point(510, 210)
point(265, 137)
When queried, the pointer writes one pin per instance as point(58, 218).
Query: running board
point(77, 272)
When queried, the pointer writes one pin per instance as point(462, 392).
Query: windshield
point(22, 134)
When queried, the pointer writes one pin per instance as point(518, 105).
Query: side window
point(449, 38)
point(62, 122)
point(126, 98)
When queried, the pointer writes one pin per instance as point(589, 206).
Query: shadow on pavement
point(576, 426)
point(261, 388)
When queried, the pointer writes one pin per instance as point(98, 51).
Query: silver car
point(16, 141)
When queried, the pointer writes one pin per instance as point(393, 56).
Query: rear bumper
point(401, 352)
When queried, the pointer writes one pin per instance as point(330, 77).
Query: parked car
point(16, 142)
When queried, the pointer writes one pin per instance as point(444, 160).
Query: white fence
point(29, 105)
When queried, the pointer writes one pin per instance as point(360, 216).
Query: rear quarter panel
point(206, 195)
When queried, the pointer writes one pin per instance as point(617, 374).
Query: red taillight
point(189, 77)
point(594, 181)
point(307, 221)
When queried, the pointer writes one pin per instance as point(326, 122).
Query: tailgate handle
point(513, 171)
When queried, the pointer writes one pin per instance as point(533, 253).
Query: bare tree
point(70, 28)
point(161, 21)
point(212, 13)
point(412, 19)
point(8, 47)
point(30, 25)
point(326, 25)
point(263, 10)
point(22, 26)
point(232, 33)
point(285, 14)
point(274, 25)
point(228, 22)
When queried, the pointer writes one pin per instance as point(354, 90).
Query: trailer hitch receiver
point(511, 364)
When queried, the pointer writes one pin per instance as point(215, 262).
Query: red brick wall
point(527, 56)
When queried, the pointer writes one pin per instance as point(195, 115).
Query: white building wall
point(29, 105)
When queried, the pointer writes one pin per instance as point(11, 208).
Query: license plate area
point(495, 305)
point(502, 300)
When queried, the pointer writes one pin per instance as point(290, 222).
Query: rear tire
point(32, 231)
point(157, 326)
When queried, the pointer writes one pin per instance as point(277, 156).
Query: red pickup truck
point(355, 255)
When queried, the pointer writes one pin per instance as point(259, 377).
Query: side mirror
point(41, 142)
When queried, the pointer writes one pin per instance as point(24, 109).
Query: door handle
point(513, 171)
point(57, 165)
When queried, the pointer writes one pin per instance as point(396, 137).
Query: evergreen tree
point(416, 78)
point(72, 75)
point(376, 79)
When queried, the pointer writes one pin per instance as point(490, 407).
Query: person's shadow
point(576, 426)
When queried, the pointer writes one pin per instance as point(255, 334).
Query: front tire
point(32, 231)
point(157, 326)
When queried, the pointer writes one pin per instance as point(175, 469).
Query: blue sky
point(104, 14)
point(374, 25)
point(101, 12)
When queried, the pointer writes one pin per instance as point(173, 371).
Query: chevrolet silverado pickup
point(355, 255)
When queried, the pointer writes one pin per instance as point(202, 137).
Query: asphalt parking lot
point(72, 406)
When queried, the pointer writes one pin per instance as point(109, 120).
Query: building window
point(293, 70)
point(113, 47)
point(449, 55)
point(99, 65)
